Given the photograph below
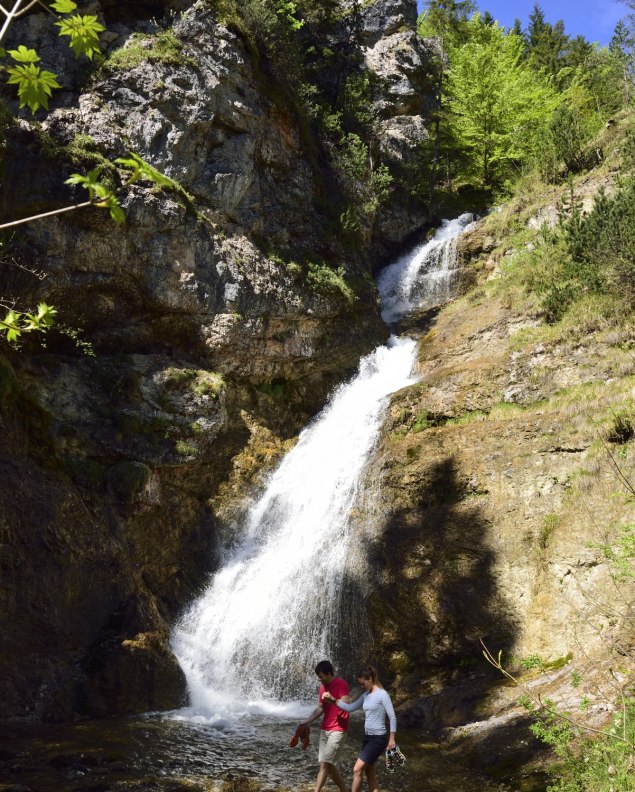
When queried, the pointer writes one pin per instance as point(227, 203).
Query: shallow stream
point(162, 754)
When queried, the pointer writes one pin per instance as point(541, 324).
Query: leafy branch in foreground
point(98, 194)
point(143, 170)
point(15, 323)
point(34, 84)
point(102, 196)
point(83, 30)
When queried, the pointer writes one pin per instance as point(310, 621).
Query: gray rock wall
point(218, 323)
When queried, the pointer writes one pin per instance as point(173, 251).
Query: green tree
point(446, 20)
point(603, 78)
point(622, 47)
point(602, 243)
point(498, 104)
point(517, 28)
point(546, 43)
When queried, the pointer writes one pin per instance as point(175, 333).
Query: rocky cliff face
point(219, 321)
point(500, 478)
point(401, 63)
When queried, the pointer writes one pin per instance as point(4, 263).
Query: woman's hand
point(392, 741)
point(326, 696)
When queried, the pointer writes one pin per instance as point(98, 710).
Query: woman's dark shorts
point(373, 747)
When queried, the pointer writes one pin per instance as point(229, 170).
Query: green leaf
point(64, 6)
point(90, 182)
point(84, 34)
point(11, 318)
point(45, 314)
point(24, 55)
point(99, 194)
point(75, 178)
point(143, 170)
point(34, 85)
point(16, 323)
point(116, 212)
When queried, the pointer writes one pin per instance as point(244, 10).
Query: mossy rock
point(199, 381)
point(241, 785)
point(85, 472)
point(127, 479)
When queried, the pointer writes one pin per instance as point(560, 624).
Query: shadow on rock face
point(436, 595)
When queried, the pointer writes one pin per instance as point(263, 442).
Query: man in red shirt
point(334, 725)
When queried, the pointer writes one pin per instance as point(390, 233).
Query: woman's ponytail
point(370, 672)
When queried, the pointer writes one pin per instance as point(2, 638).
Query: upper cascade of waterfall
point(272, 610)
point(424, 276)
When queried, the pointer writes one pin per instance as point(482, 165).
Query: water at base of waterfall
point(158, 754)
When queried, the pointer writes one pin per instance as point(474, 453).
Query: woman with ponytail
point(377, 706)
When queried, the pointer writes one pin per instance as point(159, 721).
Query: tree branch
point(47, 214)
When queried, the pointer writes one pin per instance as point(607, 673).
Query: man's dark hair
point(324, 667)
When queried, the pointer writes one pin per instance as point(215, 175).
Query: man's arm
point(317, 713)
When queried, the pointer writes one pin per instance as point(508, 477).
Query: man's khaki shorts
point(331, 744)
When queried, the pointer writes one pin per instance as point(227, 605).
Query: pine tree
point(517, 28)
point(546, 42)
point(622, 47)
point(447, 20)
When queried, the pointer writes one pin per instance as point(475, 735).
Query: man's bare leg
point(323, 773)
point(337, 777)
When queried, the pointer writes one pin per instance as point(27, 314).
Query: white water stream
point(251, 641)
point(425, 276)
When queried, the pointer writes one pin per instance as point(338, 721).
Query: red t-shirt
point(334, 718)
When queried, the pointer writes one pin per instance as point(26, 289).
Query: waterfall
point(425, 276)
point(271, 612)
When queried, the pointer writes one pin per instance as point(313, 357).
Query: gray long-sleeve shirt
point(377, 705)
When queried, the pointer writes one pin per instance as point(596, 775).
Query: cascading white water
point(271, 611)
point(424, 277)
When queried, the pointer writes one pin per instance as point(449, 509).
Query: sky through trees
point(593, 19)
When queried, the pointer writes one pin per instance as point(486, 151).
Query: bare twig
point(48, 214)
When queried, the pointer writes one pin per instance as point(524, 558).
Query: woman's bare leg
point(371, 777)
point(358, 771)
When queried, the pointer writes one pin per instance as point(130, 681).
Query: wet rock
point(132, 672)
point(241, 785)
